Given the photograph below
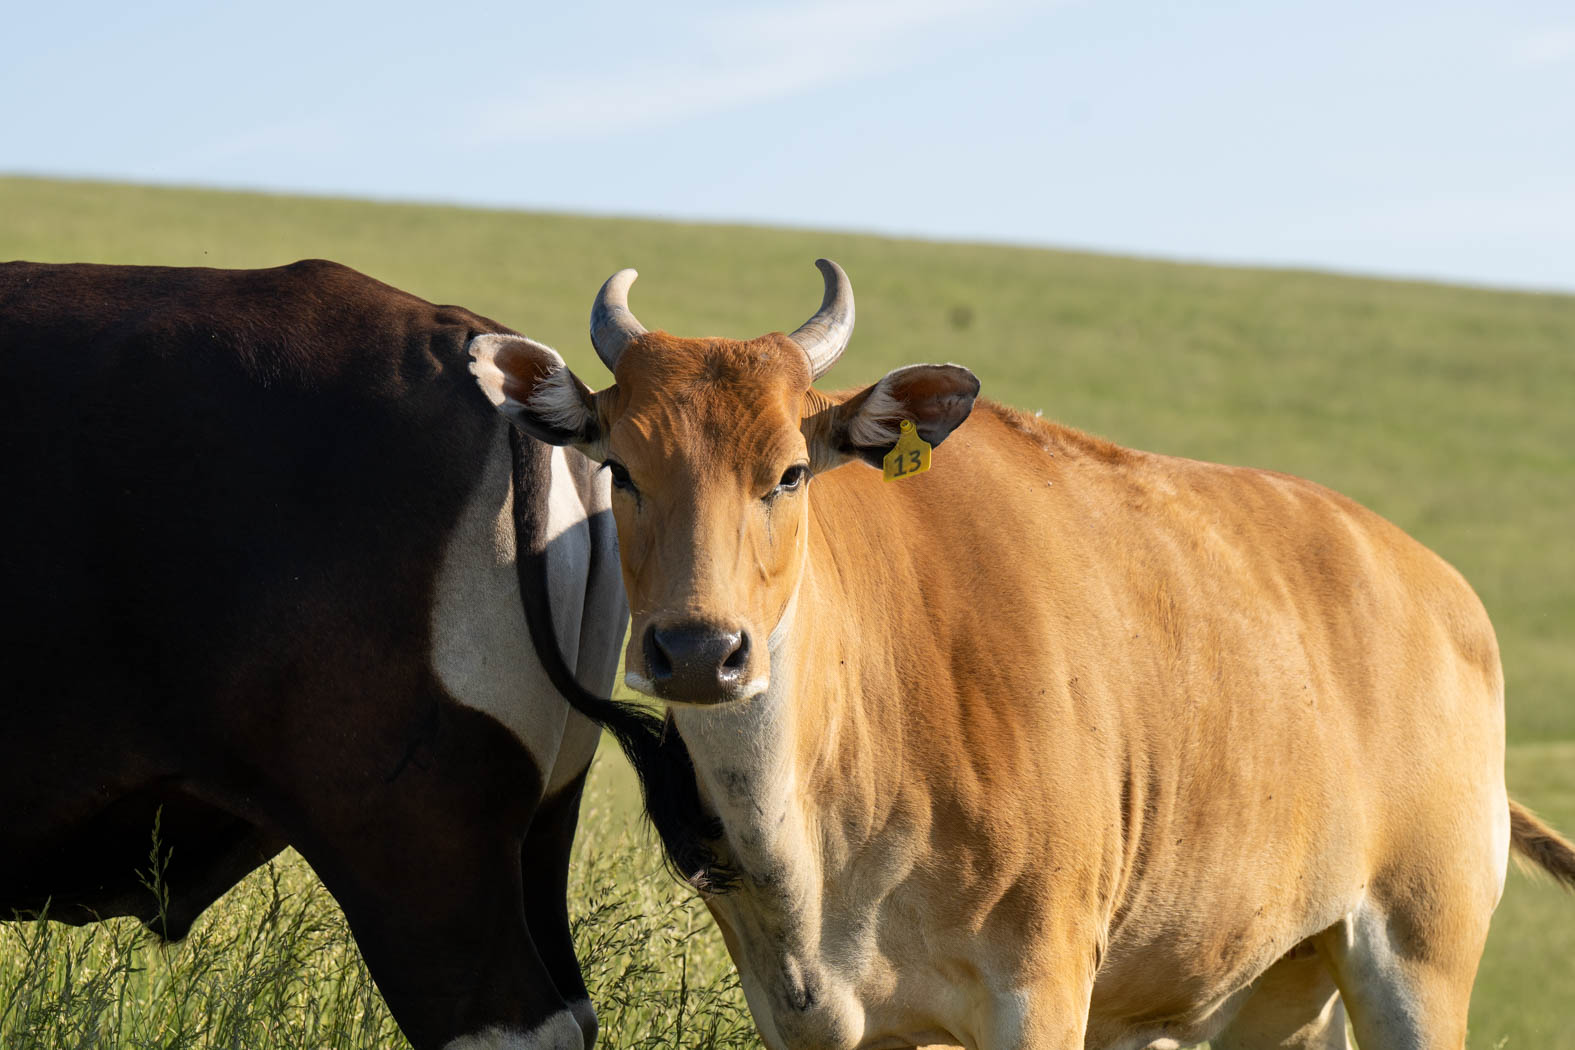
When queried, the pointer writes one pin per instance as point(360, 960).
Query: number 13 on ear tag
point(910, 456)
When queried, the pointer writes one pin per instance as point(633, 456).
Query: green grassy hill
point(1449, 410)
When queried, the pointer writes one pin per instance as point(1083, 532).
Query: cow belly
point(1177, 975)
point(1188, 1026)
point(99, 867)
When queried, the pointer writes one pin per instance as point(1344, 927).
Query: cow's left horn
point(613, 327)
point(824, 336)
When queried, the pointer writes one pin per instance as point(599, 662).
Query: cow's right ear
point(530, 384)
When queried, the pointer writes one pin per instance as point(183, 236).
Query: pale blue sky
point(1411, 138)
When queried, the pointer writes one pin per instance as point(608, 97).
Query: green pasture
point(1449, 410)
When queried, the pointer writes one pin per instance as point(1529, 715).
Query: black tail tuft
point(667, 782)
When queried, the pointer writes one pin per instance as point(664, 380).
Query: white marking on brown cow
point(481, 647)
point(558, 1032)
point(585, 1016)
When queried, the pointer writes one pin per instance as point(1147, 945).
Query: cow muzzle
point(697, 663)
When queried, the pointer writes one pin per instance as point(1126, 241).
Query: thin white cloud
point(298, 137)
point(837, 25)
point(734, 59)
point(1548, 48)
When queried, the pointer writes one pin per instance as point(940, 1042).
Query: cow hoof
point(585, 1014)
point(561, 1031)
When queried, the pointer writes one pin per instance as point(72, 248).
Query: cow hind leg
point(1296, 1004)
point(1405, 972)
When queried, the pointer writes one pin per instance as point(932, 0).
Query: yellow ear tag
point(910, 456)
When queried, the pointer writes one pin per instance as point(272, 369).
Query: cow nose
point(697, 662)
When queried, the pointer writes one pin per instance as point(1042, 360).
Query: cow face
point(713, 445)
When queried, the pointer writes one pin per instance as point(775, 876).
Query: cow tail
point(654, 748)
point(1541, 845)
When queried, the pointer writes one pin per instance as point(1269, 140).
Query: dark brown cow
point(270, 567)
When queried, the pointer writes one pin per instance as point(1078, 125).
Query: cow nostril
point(658, 665)
point(739, 657)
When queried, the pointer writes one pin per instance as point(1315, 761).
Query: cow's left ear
point(530, 384)
point(937, 398)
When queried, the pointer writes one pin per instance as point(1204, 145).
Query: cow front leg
point(441, 923)
point(1050, 1014)
point(544, 865)
point(421, 846)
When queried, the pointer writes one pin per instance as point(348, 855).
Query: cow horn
point(824, 336)
point(613, 327)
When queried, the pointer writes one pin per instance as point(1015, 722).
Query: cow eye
point(793, 478)
point(620, 476)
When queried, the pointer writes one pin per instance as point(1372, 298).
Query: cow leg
point(423, 854)
point(545, 872)
point(1052, 1015)
point(1295, 1005)
point(1405, 973)
point(441, 923)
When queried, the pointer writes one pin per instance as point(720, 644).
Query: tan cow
point(1056, 745)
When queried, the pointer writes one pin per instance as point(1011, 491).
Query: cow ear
point(937, 398)
point(530, 384)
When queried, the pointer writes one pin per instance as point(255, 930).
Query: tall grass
point(273, 965)
point(1449, 410)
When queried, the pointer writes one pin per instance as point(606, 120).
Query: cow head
point(713, 446)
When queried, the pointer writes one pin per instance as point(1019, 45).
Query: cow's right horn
point(824, 336)
point(613, 327)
